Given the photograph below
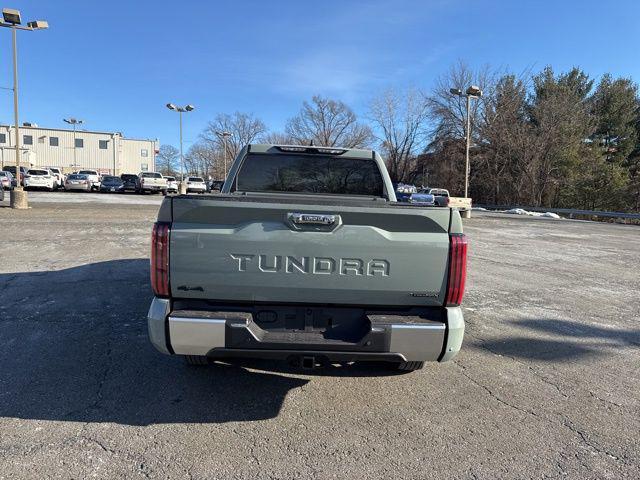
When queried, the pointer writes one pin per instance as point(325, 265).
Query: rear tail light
point(446, 201)
point(160, 259)
point(457, 269)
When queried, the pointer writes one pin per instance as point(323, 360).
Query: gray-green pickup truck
point(306, 256)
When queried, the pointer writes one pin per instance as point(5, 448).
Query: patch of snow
point(479, 209)
point(522, 211)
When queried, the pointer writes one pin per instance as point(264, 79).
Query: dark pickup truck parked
point(306, 256)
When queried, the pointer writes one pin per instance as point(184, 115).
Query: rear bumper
point(234, 334)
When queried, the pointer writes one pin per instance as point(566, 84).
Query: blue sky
point(115, 64)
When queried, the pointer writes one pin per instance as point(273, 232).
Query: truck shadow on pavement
point(76, 349)
point(571, 340)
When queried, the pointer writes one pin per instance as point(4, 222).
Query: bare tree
point(281, 138)
point(449, 111)
point(400, 122)
point(168, 160)
point(202, 160)
point(330, 123)
point(244, 128)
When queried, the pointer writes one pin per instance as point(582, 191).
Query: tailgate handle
point(312, 219)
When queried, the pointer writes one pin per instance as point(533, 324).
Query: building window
point(3, 138)
point(103, 144)
point(79, 143)
point(144, 167)
point(144, 152)
point(53, 141)
point(27, 139)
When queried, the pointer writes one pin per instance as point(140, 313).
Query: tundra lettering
point(321, 265)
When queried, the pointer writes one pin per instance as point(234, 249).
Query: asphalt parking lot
point(547, 384)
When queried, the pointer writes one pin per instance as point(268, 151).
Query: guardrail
point(568, 211)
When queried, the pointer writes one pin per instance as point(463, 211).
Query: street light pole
point(468, 146)
point(74, 121)
point(181, 110)
point(224, 136)
point(181, 151)
point(15, 110)
point(74, 144)
point(471, 92)
point(12, 19)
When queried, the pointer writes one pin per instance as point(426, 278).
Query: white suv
point(196, 184)
point(172, 184)
point(59, 176)
point(39, 178)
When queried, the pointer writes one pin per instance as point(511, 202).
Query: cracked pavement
point(547, 384)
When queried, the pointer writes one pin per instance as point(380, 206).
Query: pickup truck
point(94, 178)
point(306, 256)
point(440, 195)
point(151, 182)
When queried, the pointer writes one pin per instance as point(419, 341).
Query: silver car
point(76, 181)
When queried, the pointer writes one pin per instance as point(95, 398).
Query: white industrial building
point(107, 152)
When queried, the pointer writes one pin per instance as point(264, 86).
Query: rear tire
point(410, 366)
point(197, 360)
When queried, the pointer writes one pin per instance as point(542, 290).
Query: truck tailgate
point(243, 250)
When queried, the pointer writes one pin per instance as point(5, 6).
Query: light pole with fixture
point(224, 135)
point(472, 92)
point(74, 122)
point(12, 19)
point(181, 110)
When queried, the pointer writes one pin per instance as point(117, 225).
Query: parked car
point(196, 184)
point(57, 173)
point(12, 169)
point(1, 192)
point(172, 185)
point(151, 182)
point(129, 181)
point(307, 256)
point(75, 181)
point(7, 180)
point(93, 176)
point(39, 178)
point(424, 199)
point(441, 195)
point(14, 182)
point(112, 184)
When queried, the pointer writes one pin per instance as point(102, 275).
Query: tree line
point(538, 138)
